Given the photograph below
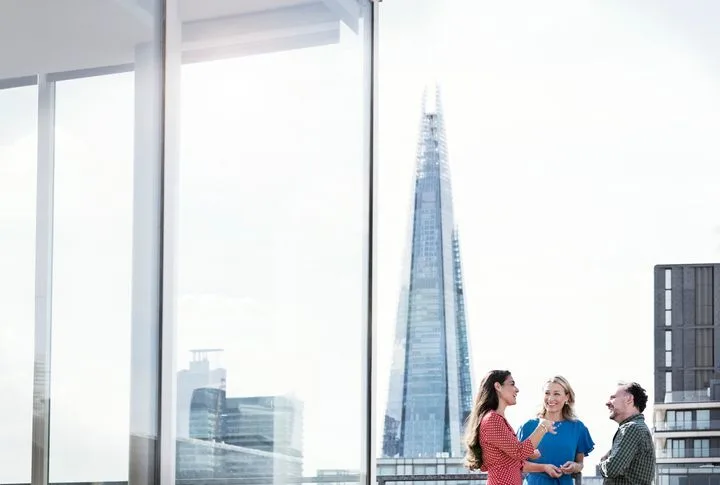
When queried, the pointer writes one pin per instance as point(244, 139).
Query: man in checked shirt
point(631, 460)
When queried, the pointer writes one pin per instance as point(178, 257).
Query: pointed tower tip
point(431, 97)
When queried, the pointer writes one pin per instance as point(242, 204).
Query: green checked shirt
point(631, 460)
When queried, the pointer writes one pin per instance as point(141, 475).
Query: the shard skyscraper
point(430, 391)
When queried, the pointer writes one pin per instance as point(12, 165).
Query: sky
point(583, 149)
point(581, 145)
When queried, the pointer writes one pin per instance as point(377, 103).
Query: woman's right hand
point(553, 471)
point(548, 425)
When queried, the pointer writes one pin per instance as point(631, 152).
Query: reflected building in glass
point(430, 390)
point(258, 436)
point(198, 375)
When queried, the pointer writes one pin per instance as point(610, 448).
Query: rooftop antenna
point(201, 355)
point(431, 97)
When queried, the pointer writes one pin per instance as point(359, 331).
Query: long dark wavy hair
point(486, 400)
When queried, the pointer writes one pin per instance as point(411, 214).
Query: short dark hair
point(639, 395)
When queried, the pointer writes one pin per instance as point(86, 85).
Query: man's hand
point(553, 471)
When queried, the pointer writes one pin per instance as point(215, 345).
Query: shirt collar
point(634, 417)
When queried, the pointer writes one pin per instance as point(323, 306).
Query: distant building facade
point(687, 377)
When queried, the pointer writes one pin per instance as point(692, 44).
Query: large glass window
point(701, 448)
point(271, 234)
point(92, 277)
point(684, 420)
point(702, 417)
point(678, 447)
point(18, 142)
point(80, 241)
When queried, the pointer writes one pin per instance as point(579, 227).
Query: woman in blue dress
point(561, 454)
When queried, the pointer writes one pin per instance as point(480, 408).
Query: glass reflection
point(18, 141)
point(270, 244)
point(96, 85)
point(92, 277)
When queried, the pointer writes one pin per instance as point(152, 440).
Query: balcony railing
point(699, 395)
point(476, 478)
point(706, 425)
point(348, 479)
point(688, 453)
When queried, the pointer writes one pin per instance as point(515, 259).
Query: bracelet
point(542, 425)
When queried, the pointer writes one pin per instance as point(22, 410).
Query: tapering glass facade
point(430, 383)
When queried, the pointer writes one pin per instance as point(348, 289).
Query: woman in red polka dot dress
point(491, 443)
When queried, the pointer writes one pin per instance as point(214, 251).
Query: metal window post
point(43, 280)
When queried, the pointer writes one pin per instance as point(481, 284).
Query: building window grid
point(683, 420)
point(701, 448)
point(668, 297)
point(676, 447)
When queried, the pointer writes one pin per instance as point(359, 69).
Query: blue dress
point(572, 437)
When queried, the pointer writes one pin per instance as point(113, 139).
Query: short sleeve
point(527, 429)
point(585, 443)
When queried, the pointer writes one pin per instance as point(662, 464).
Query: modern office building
point(241, 437)
point(430, 390)
point(687, 380)
point(198, 375)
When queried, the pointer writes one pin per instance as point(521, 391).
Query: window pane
point(270, 283)
point(668, 382)
point(668, 317)
point(668, 340)
point(668, 279)
point(18, 141)
point(92, 275)
point(702, 416)
point(84, 152)
point(668, 299)
point(668, 359)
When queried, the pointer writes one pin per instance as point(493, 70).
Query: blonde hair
point(568, 410)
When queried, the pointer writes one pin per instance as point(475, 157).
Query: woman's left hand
point(571, 467)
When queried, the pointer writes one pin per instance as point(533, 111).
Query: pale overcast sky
point(583, 147)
